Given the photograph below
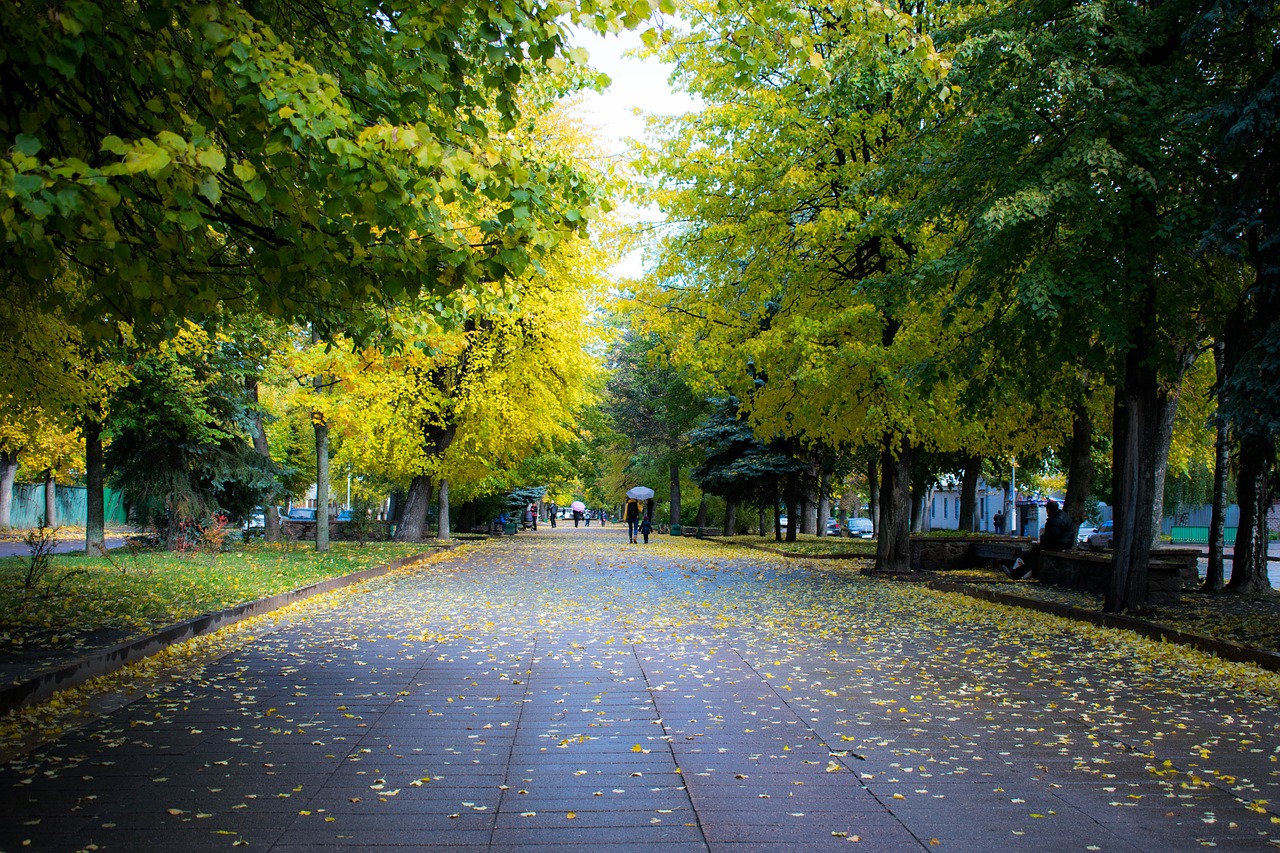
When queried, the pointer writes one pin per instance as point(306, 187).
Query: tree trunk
point(893, 545)
point(50, 499)
point(413, 517)
point(917, 507)
point(701, 520)
point(258, 432)
point(824, 502)
point(969, 494)
point(1136, 429)
point(791, 497)
point(1080, 465)
point(812, 492)
point(1249, 561)
point(8, 471)
point(730, 517)
point(467, 516)
point(1169, 395)
point(322, 481)
point(675, 498)
point(95, 525)
point(443, 532)
point(873, 492)
point(1214, 575)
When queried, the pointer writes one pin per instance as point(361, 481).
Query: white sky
point(638, 85)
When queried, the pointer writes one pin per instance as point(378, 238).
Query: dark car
point(301, 513)
point(1102, 537)
point(862, 528)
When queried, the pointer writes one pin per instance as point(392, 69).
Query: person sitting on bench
point(1059, 534)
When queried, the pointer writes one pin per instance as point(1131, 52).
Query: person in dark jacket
point(1059, 534)
point(631, 514)
point(646, 527)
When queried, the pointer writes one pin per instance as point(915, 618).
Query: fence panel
point(71, 505)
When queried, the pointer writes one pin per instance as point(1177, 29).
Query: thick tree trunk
point(95, 525)
point(444, 509)
point(1080, 465)
point(1249, 562)
point(873, 492)
point(322, 481)
point(413, 517)
point(893, 547)
point(730, 517)
point(969, 493)
point(824, 502)
point(791, 496)
point(701, 519)
point(8, 471)
point(1169, 394)
point(675, 497)
point(1214, 575)
point(467, 516)
point(258, 432)
point(50, 499)
point(812, 490)
point(1136, 428)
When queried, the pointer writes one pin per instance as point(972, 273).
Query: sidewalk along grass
point(77, 599)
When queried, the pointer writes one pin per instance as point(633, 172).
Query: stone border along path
point(564, 689)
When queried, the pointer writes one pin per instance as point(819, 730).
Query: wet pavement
point(563, 689)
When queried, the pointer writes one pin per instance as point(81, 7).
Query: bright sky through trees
point(637, 85)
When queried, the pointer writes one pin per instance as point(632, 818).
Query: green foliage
point(178, 451)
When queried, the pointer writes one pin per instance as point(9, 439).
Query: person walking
point(551, 514)
point(631, 515)
point(577, 517)
point(646, 527)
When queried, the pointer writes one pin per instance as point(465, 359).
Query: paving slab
point(564, 691)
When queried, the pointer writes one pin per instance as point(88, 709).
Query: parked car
point(862, 528)
point(257, 519)
point(833, 527)
point(1101, 538)
point(302, 513)
point(1083, 533)
point(347, 515)
point(782, 523)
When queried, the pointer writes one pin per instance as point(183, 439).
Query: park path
point(563, 689)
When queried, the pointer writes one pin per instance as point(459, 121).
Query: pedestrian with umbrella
point(631, 511)
point(577, 507)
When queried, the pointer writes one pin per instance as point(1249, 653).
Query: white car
point(1083, 533)
point(1101, 538)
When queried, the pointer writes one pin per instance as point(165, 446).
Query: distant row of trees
point(244, 239)
point(989, 230)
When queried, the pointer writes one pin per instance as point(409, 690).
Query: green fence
point(1196, 535)
point(71, 503)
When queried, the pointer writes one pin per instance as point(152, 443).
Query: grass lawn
point(84, 600)
point(806, 545)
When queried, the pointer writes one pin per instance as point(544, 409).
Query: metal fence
point(70, 502)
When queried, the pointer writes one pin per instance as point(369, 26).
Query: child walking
point(646, 527)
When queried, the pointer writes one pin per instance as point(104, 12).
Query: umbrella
point(640, 493)
point(577, 506)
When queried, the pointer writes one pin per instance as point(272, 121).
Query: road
point(565, 690)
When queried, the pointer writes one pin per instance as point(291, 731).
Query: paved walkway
point(563, 690)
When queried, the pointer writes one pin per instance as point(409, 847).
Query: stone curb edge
point(1224, 649)
point(40, 687)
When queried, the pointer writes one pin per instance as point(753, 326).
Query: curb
point(40, 687)
point(1224, 649)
